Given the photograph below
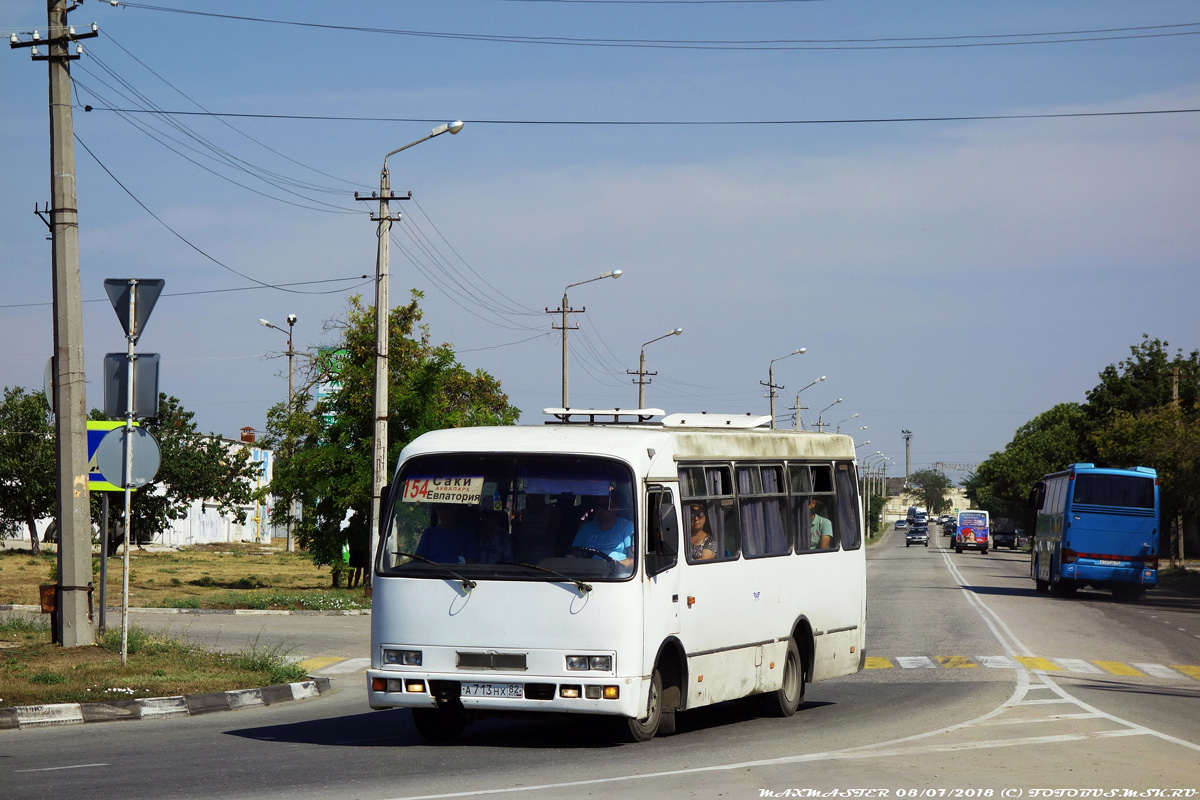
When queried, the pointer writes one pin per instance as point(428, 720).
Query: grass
point(1181, 579)
point(233, 575)
point(34, 672)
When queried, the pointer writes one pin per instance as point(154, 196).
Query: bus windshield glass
point(1122, 491)
point(515, 517)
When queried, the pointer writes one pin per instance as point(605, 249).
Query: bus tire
point(958, 550)
point(1063, 588)
point(643, 730)
point(984, 551)
point(438, 724)
point(784, 701)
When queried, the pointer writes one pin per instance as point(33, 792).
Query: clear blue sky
point(950, 275)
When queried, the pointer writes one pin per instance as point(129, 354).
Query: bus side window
point(847, 508)
point(662, 532)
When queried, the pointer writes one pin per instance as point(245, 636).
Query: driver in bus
point(608, 533)
point(449, 541)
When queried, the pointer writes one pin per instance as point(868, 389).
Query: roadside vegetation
point(33, 671)
point(232, 575)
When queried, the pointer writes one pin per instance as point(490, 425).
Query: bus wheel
point(984, 553)
point(643, 730)
point(784, 701)
point(438, 724)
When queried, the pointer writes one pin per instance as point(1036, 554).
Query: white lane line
point(1078, 665)
point(915, 662)
point(70, 766)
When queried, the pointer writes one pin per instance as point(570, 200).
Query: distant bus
point(630, 570)
point(1096, 527)
point(973, 532)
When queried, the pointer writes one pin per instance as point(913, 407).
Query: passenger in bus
point(449, 540)
point(495, 545)
point(608, 532)
point(820, 528)
point(703, 545)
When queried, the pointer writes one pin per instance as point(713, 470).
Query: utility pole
point(907, 440)
point(73, 512)
point(565, 309)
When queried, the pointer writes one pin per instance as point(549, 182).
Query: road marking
point(877, 662)
point(915, 662)
point(1038, 663)
point(1001, 662)
point(318, 662)
point(1191, 672)
point(347, 666)
point(956, 662)
point(53, 769)
point(1117, 668)
point(1078, 665)
point(1157, 670)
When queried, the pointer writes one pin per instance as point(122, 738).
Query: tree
point(327, 464)
point(27, 475)
point(1145, 381)
point(1047, 443)
point(930, 487)
point(194, 466)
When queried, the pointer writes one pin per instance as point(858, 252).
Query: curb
point(245, 612)
point(158, 707)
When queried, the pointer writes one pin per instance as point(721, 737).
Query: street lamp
point(799, 408)
point(614, 273)
point(291, 321)
point(379, 462)
point(847, 419)
point(862, 444)
point(770, 384)
point(820, 425)
point(641, 373)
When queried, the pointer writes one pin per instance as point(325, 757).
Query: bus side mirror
point(1035, 495)
point(384, 507)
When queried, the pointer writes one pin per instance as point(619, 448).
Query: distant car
point(948, 528)
point(901, 524)
point(916, 534)
point(1004, 533)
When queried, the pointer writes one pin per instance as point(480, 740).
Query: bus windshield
point(515, 517)
point(1122, 491)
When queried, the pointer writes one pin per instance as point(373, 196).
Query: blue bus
point(1097, 527)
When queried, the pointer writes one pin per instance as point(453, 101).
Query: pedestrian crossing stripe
point(1076, 666)
point(319, 662)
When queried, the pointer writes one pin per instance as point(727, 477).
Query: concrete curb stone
point(155, 707)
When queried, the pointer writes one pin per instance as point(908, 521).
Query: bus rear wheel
point(784, 701)
point(643, 730)
point(438, 724)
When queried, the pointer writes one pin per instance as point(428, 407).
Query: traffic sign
point(145, 293)
point(145, 385)
point(144, 461)
point(96, 431)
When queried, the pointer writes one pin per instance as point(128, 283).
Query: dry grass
point(204, 576)
point(33, 671)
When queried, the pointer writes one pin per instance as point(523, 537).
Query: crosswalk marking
point(1075, 666)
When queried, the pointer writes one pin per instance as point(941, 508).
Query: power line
point(363, 278)
point(896, 43)
point(667, 123)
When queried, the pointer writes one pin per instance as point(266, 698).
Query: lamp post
point(800, 408)
point(907, 439)
point(847, 419)
point(379, 461)
point(770, 384)
point(566, 309)
point(641, 373)
point(291, 321)
point(821, 413)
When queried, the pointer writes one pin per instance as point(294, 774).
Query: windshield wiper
point(584, 588)
point(467, 583)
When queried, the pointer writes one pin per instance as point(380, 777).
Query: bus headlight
point(402, 658)
point(577, 662)
point(580, 663)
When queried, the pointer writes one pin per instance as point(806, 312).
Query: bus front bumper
point(497, 694)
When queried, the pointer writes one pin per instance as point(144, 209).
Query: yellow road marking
point(1035, 662)
point(319, 662)
point(955, 662)
point(876, 662)
point(1117, 668)
point(1191, 672)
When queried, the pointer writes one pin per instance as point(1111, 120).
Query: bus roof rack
point(1081, 465)
point(587, 416)
point(705, 420)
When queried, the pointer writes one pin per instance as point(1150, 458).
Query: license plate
point(1107, 563)
point(516, 690)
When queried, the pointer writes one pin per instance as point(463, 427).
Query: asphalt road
point(949, 708)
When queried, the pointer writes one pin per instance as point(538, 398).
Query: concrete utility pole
point(73, 513)
point(566, 309)
point(907, 438)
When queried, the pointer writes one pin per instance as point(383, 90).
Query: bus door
point(661, 600)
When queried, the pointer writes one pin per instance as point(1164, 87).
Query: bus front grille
point(497, 661)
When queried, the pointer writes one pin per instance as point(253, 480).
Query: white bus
point(625, 568)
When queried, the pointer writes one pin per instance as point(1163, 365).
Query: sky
point(963, 211)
